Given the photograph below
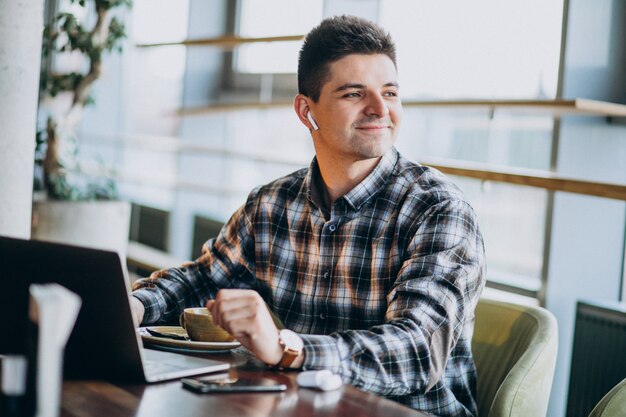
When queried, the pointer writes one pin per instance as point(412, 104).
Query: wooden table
point(169, 399)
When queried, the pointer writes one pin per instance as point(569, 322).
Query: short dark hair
point(333, 39)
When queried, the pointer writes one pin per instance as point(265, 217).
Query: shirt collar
point(374, 182)
point(361, 192)
point(314, 181)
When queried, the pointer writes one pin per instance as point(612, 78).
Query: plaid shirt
point(382, 290)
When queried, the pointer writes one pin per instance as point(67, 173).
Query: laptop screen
point(103, 343)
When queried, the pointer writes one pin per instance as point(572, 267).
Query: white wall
point(21, 24)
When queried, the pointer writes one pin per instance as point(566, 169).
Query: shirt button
point(326, 274)
point(323, 316)
point(332, 227)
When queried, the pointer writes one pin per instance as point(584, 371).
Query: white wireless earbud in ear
point(308, 116)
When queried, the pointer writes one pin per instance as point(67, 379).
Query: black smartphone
point(209, 386)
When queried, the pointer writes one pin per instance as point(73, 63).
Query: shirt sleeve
point(430, 305)
point(226, 262)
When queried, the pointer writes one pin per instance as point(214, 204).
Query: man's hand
point(244, 314)
point(136, 307)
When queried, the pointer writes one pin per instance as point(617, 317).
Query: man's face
point(359, 108)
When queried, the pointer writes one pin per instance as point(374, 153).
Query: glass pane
point(274, 18)
point(512, 217)
point(477, 49)
point(268, 58)
point(477, 136)
point(153, 92)
point(512, 220)
point(159, 20)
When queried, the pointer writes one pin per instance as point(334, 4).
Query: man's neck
point(340, 177)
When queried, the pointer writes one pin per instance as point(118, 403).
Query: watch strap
point(289, 354)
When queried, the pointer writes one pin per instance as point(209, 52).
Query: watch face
point(291, 340)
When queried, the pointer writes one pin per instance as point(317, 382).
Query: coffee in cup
point(198, 323)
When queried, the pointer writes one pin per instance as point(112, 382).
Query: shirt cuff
point(154, 306)
point(325, 352)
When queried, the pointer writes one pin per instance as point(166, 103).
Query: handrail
point(227, 41)
point(532, 178)
point(485, 172)
point(555, 108)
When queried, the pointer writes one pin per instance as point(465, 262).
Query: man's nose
point(376, 106)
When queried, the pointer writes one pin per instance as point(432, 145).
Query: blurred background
point(197, 110)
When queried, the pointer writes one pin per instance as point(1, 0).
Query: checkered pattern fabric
point(382, 288)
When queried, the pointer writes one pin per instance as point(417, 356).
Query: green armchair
point(514, 347)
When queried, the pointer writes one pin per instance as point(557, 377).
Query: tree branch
point(98, 34)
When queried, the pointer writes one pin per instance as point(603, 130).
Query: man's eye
point(391, 94)
point(351, 95)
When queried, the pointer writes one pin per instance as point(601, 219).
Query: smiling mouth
point(373, 124)
point(373, 128)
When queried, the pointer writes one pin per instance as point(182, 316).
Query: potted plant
point(74, 44)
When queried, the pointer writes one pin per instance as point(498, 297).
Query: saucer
point(182, 345)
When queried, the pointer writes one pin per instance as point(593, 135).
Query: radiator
point(598, 354)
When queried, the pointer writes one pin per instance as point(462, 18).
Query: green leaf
point(66, 33)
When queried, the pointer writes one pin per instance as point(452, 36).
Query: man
point(374, 263)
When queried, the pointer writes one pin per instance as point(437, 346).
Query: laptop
point(104, 343)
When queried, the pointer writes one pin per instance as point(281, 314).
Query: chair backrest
point(514, 348)
point(613, 404)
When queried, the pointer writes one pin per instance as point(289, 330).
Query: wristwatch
point(292, 347)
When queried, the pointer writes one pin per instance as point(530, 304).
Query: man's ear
point(302, 107)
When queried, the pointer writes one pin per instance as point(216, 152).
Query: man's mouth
point(373, 124)
point(373, 127)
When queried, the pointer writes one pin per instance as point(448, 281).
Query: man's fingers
point(231, 300)
point(211, 306)
point(243, 312)
point(229, 294)
point(234, 304)
point(243, 328)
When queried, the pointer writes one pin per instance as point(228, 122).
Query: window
point(266, 71)
point(485, 49)
point(491, 49)
point(157, 73)
point(204, 229)
point(446, 50)
point(274, 18)
point(150, 226)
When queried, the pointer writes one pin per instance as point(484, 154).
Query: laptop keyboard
point(158, 367)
